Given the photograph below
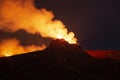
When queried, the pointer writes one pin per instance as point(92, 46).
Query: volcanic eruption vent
point(22, 14)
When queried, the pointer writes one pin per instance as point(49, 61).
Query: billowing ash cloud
point(21, 14)
point(18, 15)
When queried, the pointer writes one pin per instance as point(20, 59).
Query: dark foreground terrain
point(60, 61)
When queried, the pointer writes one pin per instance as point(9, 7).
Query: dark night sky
point(95, 22)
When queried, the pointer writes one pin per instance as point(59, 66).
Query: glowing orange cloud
point(11, 47)
point(21, 14)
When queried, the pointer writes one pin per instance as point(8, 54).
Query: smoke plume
point(18, 15)
point(21, 14)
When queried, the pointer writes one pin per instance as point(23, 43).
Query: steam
point(21, 14)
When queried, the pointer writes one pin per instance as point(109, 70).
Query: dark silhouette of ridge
point(59, 61)
point(63, 48)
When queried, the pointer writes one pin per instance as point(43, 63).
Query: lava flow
point(22, 14)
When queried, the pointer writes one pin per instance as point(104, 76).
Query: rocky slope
point(59, 61)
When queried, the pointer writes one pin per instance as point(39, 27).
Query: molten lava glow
point(12, 47)
point(59, 37)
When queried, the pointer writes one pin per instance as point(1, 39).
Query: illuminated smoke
point(22, 14)
point(11, 47)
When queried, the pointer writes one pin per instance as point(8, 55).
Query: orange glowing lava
point(68, 37)
point(59, 37)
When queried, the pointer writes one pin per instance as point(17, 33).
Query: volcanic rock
point(59, 61)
